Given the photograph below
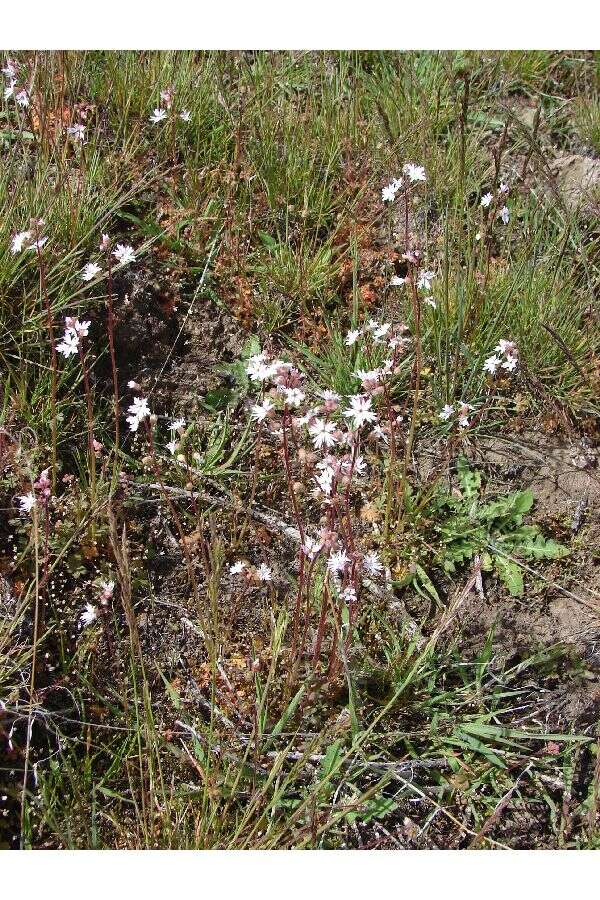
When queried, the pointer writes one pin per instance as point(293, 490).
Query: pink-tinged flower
point(104, 243)
point(504, 188)
point(166, 96)
point(159, 115)
point(264, 573)
point(237, 568)
point(20, 241)
point(124, 254)
point(138, 411)
point(372, 564)
point(414, 172)
point(107, 589)
point(89, 271)
point(10, 68)
point(486, 200)
point(491, 364)
point(359, 468)
point(360, 410)
point(370, 381)
point(81, 329)
point(322, 433)
point(260, 411)
point(352, 336)
point(505, 215)
point(463, 414)
point(22, 99)
point(26, 503)
point(172, 447)
point(446, 412)
point(506, 348)
point(89, 615)
point(337, 562)
point(311, 547)
point(348, 595)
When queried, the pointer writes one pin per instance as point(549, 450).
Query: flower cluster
point(505, 356)
point(488, 199)
point(42, 490)
point(12, 88)
point(261, 573)
point(326, 430)
point(29, 239)
point(457, 411)
point(165, 109)
point(74, 331)
point(411, 172)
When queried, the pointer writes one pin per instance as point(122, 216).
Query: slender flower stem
point(113, 361)
point(53, 356)
point(90, 420)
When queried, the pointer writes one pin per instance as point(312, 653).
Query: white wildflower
point(124, 254)
point(264, 573)
point(322, 433)
point(360, 410)
point(237, 568)
point(372, 564)
point(185, 115)
point(20, 241)
point(69, 346)
point(89, 615)
point(26, 503)
point(138, 411)
point(338, 560)
point(352, 337)
point(159, 115)
point(486, 200)
point(293, 396)
point(505, 215)
point(90, 270)
point(446, 412)
point(414, 172)
point(77, 132)
point(491, 364)
point(396, 281)
point(260, 411)
point(424, 280)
